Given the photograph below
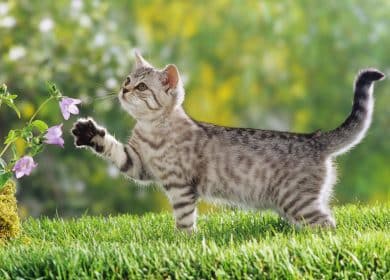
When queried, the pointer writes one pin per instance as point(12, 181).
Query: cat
point(291, 173)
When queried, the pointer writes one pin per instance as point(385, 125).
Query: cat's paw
point(87, 133)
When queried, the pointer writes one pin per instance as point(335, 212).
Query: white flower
point(76, 5)
point(79, 186)
point(112, 171)
point(111, 83)
point(16, 52)
point(99, 40)
point(7, 22)
point(85, 21)
point(112, 26)
point(46, 25)
point(3, 8)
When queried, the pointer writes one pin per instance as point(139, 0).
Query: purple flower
point(54, 136)
point(68, 106)
point(24, 166)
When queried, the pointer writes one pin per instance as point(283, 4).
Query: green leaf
point(41, 125)
point(4, 176)
point(3, 89)
point(27, 133)
point(3, 164)
point(53, 90)
point(11, 104)
point(14, 152)
point(12, 136)
point(36, 149)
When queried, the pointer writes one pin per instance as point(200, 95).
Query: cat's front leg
point(88, 134)
point(183, 200)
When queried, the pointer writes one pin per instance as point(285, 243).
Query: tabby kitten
point(291, 173)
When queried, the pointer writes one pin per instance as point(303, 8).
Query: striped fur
point(352, 131)
point(291, 173)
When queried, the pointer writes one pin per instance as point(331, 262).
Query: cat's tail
point(353, 129)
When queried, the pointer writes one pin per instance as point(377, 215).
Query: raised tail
point(353, 129)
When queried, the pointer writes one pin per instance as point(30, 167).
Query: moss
point(9, 219)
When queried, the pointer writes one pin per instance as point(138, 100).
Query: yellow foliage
point(210, 102)
point(302, 118)
point(207, 75)
point(27, 109)
point(275, 60)
point(9, 219)
point(179, 24)
point(297, 90)
point(225, 92)
point(20, 146)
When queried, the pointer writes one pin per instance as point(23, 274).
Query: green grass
point(230, 244)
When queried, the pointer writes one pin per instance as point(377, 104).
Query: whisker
point(98, 85)
point(110, 92)
point(106, 96)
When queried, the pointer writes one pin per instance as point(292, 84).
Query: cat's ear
point(171, 76)
point(140, 61)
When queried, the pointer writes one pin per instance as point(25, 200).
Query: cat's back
point(258, 141)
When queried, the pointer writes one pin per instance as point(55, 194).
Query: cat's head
point(149, 93)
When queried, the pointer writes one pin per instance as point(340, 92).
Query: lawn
point(228, 244)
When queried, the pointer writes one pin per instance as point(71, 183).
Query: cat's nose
point(125, 90)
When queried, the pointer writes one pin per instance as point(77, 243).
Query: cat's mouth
point(126, 97)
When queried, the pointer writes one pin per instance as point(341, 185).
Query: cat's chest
point(162, 157)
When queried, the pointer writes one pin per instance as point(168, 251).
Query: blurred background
point(284, 65)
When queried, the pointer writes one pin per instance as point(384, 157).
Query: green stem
point(39, 109)
point(5, 149)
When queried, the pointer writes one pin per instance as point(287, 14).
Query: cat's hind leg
point(313, 216)
point(306, 202)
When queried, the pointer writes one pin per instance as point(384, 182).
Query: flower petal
point(76, 101)
point(66, 115)
point(24, 166)
point(55, 141)
point(54, 131)
point(68, 106)
point(73, 109)
point(19, 174)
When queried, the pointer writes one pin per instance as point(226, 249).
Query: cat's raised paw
point(85, 132)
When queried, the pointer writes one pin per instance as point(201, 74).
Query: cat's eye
point(127, 81)
point(141, 87)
